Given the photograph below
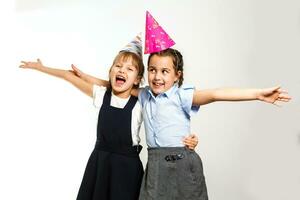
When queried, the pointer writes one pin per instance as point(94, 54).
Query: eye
point(118, 66)
point(151, 70)
point(165, 71)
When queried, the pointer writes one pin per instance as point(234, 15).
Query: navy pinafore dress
point(114, 170)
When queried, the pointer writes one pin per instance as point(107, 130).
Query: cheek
point(110, 74)
point(150, 77)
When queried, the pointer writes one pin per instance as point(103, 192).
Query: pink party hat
point(156, 38)
point(135, 46)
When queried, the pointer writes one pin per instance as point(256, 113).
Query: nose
point(157, 76)
point(121, 69)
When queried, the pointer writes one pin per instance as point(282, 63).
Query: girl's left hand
point(272, 95)
point(76, 71)
point(191, 141)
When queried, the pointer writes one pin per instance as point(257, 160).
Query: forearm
point(79, 83)
point(60, 73)
point(93, 80)
point(202, 97)
point(235, 94)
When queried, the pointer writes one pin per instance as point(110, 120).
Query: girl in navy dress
point(114, 170)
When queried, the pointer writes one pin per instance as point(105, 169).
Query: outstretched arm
point(269, 95)
point(88, 78)
point(69, 76)
point(94, 80)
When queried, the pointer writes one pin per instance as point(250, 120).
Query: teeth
point(121, 77)
point(157, 84)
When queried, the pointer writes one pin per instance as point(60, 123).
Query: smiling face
point(161, 74)
point(123, 75)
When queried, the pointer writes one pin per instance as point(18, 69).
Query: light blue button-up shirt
point(167, 116)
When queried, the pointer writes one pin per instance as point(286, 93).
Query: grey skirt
point(173, 173)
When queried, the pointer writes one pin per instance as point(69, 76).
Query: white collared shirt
point(136, 118)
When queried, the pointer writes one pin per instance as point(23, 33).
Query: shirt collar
point(167, 93)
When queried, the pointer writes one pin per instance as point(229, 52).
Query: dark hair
point(176, 58)
point(136, 61)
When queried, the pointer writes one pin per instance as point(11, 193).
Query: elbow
point(216, 95)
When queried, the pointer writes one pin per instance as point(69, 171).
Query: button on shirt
point(167, 116)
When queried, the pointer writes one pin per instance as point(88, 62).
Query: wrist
point(258, 95)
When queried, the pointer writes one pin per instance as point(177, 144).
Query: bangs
point(136, 61)
point(128, 56)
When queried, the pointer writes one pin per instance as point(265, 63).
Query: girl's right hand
point(31, 65)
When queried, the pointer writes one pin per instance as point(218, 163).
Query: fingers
point(23, 64)
point(76, 70)
point(284, 97)
point(189, 145)
point(282, 91)
point(28, 64)
point(276, 88)
point(189, 142)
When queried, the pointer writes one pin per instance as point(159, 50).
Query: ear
point(178, 74)
point(137, 80)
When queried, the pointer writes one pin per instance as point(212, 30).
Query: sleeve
point(142, 95)
point(186, 93)
point(98, 94)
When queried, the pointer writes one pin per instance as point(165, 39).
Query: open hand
point(31, 65)
point(274, 94)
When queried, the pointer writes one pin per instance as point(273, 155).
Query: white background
point(250, 150)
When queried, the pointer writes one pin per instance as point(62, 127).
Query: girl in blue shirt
point(174, 172)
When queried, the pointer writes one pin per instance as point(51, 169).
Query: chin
point(157, 92)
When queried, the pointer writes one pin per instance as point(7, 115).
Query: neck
point(123, 95)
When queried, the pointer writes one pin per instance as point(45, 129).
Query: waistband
point(131, 151)
point(168, 154)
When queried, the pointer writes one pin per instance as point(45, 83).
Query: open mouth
point(157, 84)
point(120, 80)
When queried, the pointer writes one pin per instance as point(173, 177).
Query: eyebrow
point(126, 66)
point(165, 68)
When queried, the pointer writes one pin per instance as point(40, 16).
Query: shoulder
point(143, 94)
point(186, 93)
point(186, 87)
point(186, 90)
point(99, 89)
point(98, 94)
